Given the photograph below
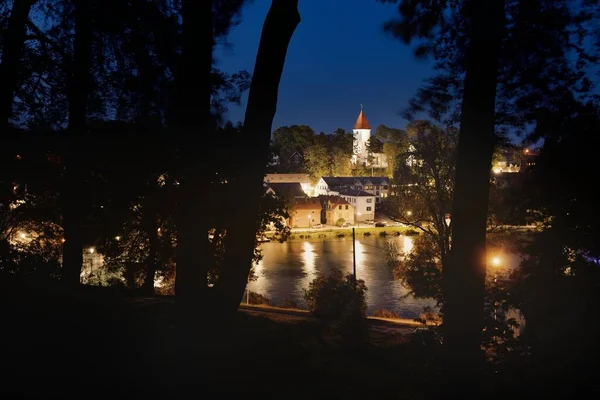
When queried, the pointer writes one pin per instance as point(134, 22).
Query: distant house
point(302, 179)
point(529, 159)
point(379, 186)
point(305, 213)
point(363, 202)
point(337, 208)
point(296, 158)
point(288, 191)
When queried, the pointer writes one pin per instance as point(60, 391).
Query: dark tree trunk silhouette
point(279, 26)
point(11, 56)
point(193, 121)
point(464, 275)
point(73, 184)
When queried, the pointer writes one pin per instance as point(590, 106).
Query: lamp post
point(496, 263)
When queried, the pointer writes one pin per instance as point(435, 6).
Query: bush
point(383, 313)
point(257, 298)
point(367, 233)
point(383, 233)
point(340, 222)
point(336, 299)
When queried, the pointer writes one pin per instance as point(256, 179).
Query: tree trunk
point(193, 121)
point(464, 274)
point(11, 57)
point(74, 187)
point(280, 24)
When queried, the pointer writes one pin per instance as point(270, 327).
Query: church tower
point(362, 133)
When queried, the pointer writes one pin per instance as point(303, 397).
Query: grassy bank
point(347, 232)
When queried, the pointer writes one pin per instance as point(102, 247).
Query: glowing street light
point(409, 213)
point(117, 238)
point(92, 250)
point(22, 236)
point(496, 261)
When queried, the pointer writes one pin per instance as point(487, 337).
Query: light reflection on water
point(287, 269)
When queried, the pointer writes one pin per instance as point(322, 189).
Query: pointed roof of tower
point(361, 121)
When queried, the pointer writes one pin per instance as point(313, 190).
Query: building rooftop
point(288, 190)
point(337, 181)
point(287, 178)
point(356, 193)
point(361, 121)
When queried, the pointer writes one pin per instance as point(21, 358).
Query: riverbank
point(329, 232)
point(335, 232)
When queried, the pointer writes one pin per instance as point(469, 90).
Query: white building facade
point(379, 186)
point(363, 202)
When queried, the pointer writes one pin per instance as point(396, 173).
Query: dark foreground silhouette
point(104, 341)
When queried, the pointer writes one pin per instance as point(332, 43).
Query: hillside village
point(344, 201)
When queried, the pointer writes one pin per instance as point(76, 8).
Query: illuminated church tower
point(362, 133)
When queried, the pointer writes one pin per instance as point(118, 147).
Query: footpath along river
point(287, 268)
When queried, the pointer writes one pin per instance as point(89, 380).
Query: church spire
point(361, 121)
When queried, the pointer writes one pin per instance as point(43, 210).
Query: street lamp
point(496, 263)
point(409, 213)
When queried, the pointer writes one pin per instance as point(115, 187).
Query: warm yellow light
point(497, 170)
point(62, 240)
point(409, 213)
point(117, 238)
point(92, 250)
point(496, 261)
point(22, 236)
point(158, 230)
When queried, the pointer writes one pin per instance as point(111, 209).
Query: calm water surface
point(287, 268)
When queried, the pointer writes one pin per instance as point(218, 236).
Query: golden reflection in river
point(308, 257)
point(360, 254)
point(407, 244)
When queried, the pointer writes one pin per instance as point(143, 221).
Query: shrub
point(383, 313)
point(257, 298)
point(340, 222)
point(383, 233)
point(367, 233)
point(340, 235)
point(336, 299)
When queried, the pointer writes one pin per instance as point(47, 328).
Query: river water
point(287, 268)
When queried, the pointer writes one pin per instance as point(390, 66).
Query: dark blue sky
point(338, 59)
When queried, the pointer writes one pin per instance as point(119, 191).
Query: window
point(369, 200)
point(385, 187)
point(377, 193)
point(368, 208)
point(340, 207)
point(346, 206)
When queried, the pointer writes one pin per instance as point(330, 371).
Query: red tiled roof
point(361, 122)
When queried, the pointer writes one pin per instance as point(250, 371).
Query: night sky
point(338, 59)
